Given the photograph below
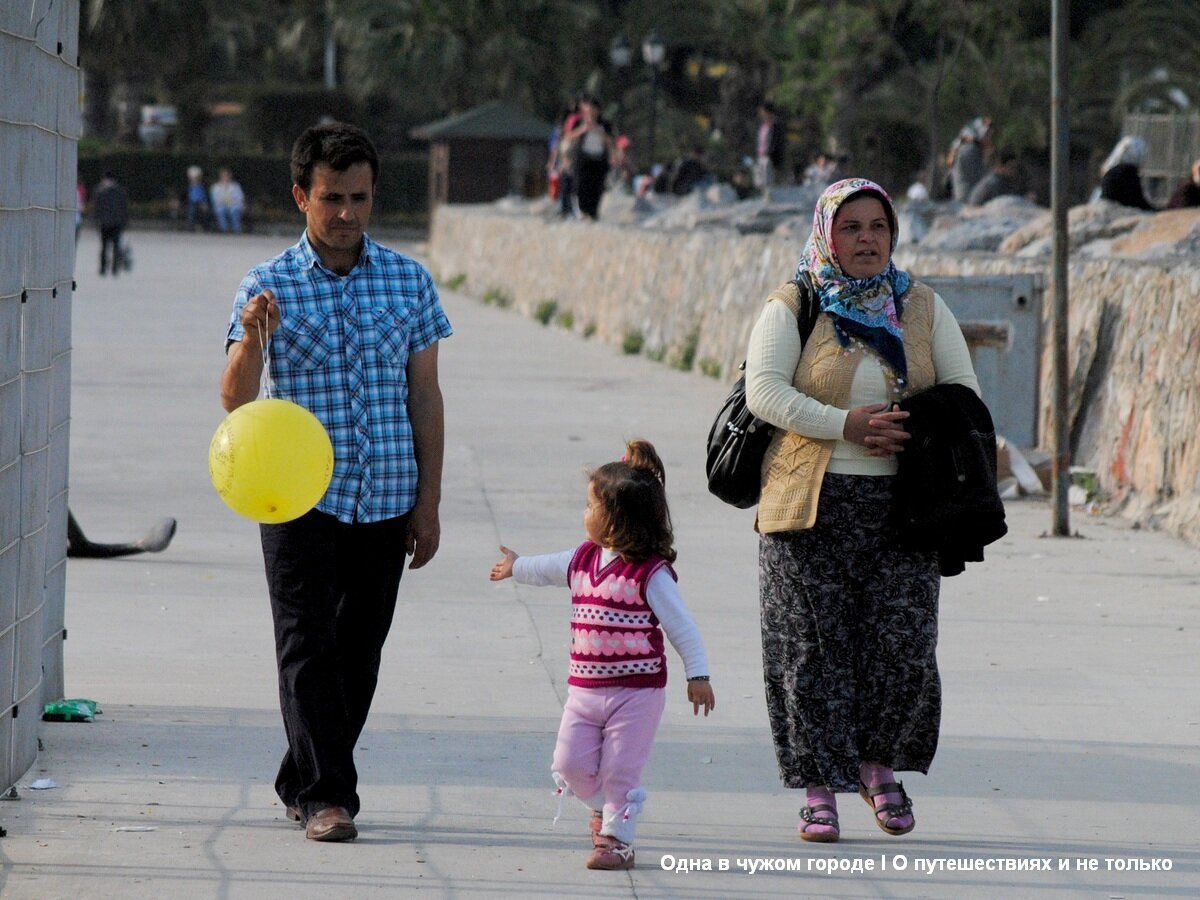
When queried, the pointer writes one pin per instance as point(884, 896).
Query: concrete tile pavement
point(1069, 666)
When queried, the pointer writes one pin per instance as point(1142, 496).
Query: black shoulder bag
point(738, 439)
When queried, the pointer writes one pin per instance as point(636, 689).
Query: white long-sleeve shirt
point(771, 361)
point(662, 595)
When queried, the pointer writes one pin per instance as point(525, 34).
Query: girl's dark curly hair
point(633, 504)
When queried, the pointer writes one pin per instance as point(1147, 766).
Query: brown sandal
point(810, 817)
point(889, 810)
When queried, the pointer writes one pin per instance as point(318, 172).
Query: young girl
point(623, 598)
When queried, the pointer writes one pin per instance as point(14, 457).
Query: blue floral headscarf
point(866, 308)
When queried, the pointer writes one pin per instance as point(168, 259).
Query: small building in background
point(486, 153)
point(157, 128)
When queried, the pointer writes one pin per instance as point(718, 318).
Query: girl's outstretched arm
point(539, 571)
point(503, 569)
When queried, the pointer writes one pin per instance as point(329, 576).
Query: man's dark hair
point(335, 144)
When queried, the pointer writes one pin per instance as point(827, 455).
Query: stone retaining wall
point(1134, 326)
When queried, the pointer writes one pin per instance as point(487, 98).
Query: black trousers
point(589, 184)
point(333, 592)
point(110, 235)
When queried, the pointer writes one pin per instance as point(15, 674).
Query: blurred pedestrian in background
point(110, 208)
point(561, 167)
point(593, 148)
point(80, 204)
point(769, 147)
point(196, 198)
point(623, 171)
point(228, 202)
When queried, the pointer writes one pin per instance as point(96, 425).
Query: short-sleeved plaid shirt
point(341, 351)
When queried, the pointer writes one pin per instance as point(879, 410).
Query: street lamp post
point(653, 52)
point(620, 54)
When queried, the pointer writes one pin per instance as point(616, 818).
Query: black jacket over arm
point(946, 497)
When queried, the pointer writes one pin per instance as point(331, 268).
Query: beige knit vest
point(794, 465)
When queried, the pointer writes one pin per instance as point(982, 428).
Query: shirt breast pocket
point(306, 340)
point(391, 334)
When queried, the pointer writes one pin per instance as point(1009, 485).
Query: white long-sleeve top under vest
point(774, 353)
point(662, 596)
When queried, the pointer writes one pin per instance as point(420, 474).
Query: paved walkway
point(1070, 667)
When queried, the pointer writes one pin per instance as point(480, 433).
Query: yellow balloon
point(270, 460)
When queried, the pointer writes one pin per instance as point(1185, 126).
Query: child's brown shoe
point(613, 854)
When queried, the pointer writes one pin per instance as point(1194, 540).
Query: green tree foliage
point(1140, 56)
point(432, 58)
point(136, 49)
point(888, 81)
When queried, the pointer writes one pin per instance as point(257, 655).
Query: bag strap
point(797, 296)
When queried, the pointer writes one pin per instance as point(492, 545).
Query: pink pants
point(604, 742)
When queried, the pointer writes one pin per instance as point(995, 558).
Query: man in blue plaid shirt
point(349, 330)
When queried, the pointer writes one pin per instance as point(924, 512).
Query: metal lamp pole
point(653, 52)
point(620, 54)
point(1059, 172)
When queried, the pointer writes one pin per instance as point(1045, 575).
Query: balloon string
point(264, 347)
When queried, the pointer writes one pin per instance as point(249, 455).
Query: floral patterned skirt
point(849, 632)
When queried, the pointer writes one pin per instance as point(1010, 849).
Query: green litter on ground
point(70, 711)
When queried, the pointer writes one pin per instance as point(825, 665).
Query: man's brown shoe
point(332, 823)
point(294, 814)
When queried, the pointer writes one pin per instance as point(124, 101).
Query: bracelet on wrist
point(698, 678)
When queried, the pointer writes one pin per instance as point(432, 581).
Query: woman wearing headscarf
point(1120, 175)
point(849, 617)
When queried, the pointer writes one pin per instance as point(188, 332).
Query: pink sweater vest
point(615, 638)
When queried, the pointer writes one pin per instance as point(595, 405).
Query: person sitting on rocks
point(1120, 178)
point(1187, 192)
point(228, 202)
point(691, 172)
point(1001, 181)
point(822, 171)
